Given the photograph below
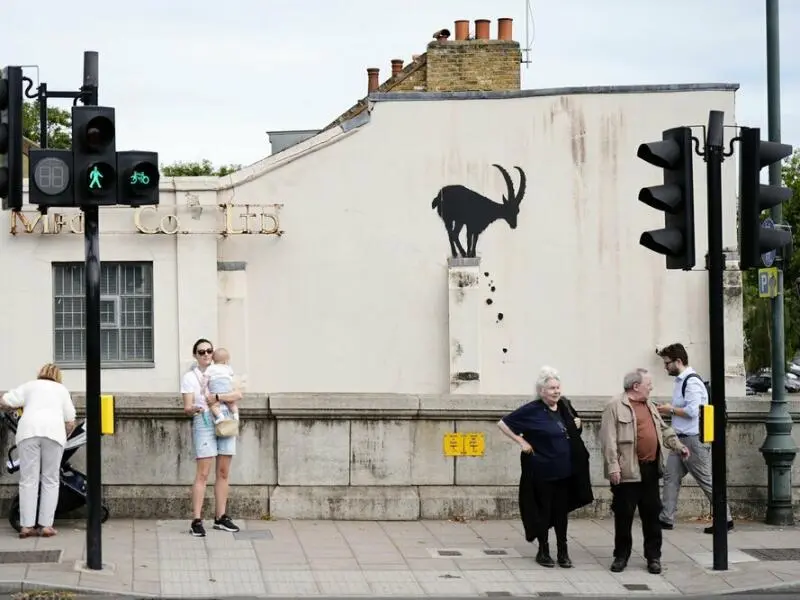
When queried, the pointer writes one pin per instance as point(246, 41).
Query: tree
point(59, 125)
point(203, 168)
point(757, 311)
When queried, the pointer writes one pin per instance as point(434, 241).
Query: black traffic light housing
point(754, 155)
point(50, 178)
point(675, 197)
point(95, 155)
point(11, 138)
point(137, 177)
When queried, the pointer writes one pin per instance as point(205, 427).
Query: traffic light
point(11, 138)
point(675, 197)
point(754, 155)
point(50, 178)
point(138, 177)
point(94, 154)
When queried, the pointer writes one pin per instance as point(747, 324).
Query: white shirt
point(191, 383)
point(696, 395)
point(216, 371)
point(46, 406)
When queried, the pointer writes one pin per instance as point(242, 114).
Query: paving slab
point(390, 559)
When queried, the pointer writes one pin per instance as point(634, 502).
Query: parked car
point(761, 383)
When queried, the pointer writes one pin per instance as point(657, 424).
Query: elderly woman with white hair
point(554, 463)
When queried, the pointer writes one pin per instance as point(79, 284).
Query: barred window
point(126, 314)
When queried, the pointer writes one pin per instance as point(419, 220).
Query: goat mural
point(460, 207)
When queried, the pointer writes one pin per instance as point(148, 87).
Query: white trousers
point(39, 461)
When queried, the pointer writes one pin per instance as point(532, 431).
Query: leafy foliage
point(59, 125)
point(203, 168)
point(758, 311)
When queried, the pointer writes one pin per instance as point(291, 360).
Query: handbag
point(227, 428)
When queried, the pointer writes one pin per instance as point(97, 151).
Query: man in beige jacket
point(633, 437)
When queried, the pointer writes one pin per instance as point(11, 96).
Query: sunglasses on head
point(206, 351)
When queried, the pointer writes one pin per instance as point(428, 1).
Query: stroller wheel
point(13, 514)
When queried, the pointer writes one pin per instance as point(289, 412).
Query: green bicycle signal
point(139, 177)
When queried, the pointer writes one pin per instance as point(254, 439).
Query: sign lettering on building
point(237, 220)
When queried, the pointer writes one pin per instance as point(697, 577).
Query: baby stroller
point(72, 488)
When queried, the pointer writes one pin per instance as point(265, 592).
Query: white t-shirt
point(191, 384)
point(46, 406)
point(217, 371)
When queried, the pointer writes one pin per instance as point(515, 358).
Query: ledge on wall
point(396, 406)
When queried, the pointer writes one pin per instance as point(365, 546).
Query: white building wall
point(353, 297)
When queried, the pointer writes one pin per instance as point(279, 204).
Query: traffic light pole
point(779, 449)
point(91, 236)
point(714, 155)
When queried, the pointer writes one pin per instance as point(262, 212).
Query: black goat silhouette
point(460, 207)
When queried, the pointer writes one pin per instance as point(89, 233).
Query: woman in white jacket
point(48, 415)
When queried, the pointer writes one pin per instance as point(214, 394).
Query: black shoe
point(564, 561)
point(654, 567)
point(543, 558)
point(665, 525)
point(710, 528)
point(224, 523)
point(197, 529)
point(619, 564)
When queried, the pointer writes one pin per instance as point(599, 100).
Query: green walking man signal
point(94, 178)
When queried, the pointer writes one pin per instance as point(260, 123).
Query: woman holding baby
point(208, 447)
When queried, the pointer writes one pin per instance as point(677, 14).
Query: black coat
point(579, 493)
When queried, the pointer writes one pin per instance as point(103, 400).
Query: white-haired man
point(633, 437)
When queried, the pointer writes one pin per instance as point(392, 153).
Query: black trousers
point(645, 496)
point(553, 499)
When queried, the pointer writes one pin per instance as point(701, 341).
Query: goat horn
point(509, 183)
point(522, 181)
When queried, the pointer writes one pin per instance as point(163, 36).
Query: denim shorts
point(204, 436)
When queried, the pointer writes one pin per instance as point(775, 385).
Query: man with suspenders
point(688, 395)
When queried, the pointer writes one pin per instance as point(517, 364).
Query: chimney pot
point(462, 29)
point(397, 66)
point(442, 35)
point(504, 30)
point(482, 29)
point(372, 79)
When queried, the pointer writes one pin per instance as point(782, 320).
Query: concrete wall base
point(372, 457)
point(379, 503)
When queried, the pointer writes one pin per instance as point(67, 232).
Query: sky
point(195, 79)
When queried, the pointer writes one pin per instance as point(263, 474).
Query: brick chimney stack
point(480, 64)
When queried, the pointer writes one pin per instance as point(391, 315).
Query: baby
point(219, 377)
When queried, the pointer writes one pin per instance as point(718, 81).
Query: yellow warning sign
point(474, 444)
point(464, 444)
point(453, 444)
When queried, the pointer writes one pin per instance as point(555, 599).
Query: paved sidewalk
point(420, 558)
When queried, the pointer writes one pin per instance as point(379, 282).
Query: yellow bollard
point(707, 423)
point(107, 415)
